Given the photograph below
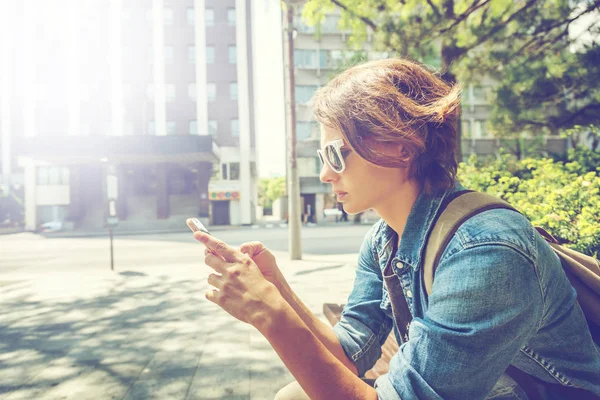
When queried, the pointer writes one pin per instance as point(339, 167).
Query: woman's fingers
point(216, 263)
point(213, 296)
point(216, 281)
point(252, 248)
point(218, 246)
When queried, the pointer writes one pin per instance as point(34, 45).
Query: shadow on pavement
point(148, 337)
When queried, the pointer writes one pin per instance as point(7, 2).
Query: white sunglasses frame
point(336, 146)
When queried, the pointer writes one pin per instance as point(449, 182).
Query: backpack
point(582, 271)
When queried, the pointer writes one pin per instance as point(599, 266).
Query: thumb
point(252, 248)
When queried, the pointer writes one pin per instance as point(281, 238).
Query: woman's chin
point(352, 209)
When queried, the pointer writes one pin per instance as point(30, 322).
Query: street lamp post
point(112, 219)
point(294, 223)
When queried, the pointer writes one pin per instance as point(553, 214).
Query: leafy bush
point(561, 197)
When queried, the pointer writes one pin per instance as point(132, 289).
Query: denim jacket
point(499, 297)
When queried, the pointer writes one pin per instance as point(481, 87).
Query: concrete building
point(157, 93)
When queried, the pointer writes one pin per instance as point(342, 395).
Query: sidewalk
point(73, 329)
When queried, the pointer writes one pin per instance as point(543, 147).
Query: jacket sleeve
point(364, 327)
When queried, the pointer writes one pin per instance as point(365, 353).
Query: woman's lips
point(341, 195)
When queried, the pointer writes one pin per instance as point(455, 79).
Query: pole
point(112, 262)
point(294, 227)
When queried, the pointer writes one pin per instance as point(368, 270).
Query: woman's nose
point(327, 175)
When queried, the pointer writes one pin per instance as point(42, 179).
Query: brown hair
point(396, 101)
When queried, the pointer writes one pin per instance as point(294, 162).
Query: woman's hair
point(396, 102)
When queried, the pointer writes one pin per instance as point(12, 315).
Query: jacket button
point(409, 294)
point(399, 264)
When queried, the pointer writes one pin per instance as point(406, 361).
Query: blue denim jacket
point(499, 297)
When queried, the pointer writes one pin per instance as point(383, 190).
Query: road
point(330, 239)
point(71, 328)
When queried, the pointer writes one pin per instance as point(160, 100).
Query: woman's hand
point(240, 287)
point(266, 262)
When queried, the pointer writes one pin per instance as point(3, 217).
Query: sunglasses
point(332, 155)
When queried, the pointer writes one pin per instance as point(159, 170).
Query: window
point(301, 25)
point(303, 130)
point(215, 172)
point(210, 54)
point(481, 94)
point(169, 54)
point(304, 93)
point(171, 125)
point(212, 127)
point(331, 58)
point(232, 55)
point(305, 58)
point(234, 171)
point(193, 127)
point(235, 127)
point(192, 54)
point(150, 91)
point(53, 176)
point(192, 91)
point(85, 129)
point(309, 166)
point(127, 128)
point(480, 129)
point(233, 90)
point(211, 91)
point(190, 14)
point(168, 16)
point(466, 128)
point(170, 92)
point(151, 128)
point(209, 17)
point(231, 16)
point(330, 24)
point(224, 171)
point(379, 55)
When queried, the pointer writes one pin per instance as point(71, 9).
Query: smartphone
point(195, 225)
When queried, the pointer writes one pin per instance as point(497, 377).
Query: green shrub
point(561, 197)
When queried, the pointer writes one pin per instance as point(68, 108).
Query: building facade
point(148, 102)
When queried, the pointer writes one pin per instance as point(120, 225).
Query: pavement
point(71, 328)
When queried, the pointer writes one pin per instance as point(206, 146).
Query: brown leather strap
point(400, 310)
point(461, 208)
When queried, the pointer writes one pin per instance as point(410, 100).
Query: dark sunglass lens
point(333, 158)
point(321, 157)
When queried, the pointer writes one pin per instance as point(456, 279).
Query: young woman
point(500, 296)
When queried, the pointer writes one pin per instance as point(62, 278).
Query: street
point(340, 238)
point(71, 328)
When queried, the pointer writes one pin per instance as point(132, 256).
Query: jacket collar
point(418, 225)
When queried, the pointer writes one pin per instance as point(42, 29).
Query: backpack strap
point(456, 210)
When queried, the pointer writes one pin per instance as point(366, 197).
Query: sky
point(268, 76)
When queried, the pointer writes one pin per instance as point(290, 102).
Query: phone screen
point(195, 225)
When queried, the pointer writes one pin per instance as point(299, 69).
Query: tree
point(552, 94)
point(475, 37)
point(270, 189)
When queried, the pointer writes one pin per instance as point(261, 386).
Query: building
point(147, 101)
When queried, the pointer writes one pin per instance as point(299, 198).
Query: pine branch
point(474, 7)
point(581, 111)
point(497, 28)
point(364, 19)
point(435, 9)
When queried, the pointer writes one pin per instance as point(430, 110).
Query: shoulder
point(497, 227)
point(372, 241)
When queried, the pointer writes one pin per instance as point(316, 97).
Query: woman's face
point(362, 185)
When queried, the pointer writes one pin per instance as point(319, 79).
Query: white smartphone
point(195, 225)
